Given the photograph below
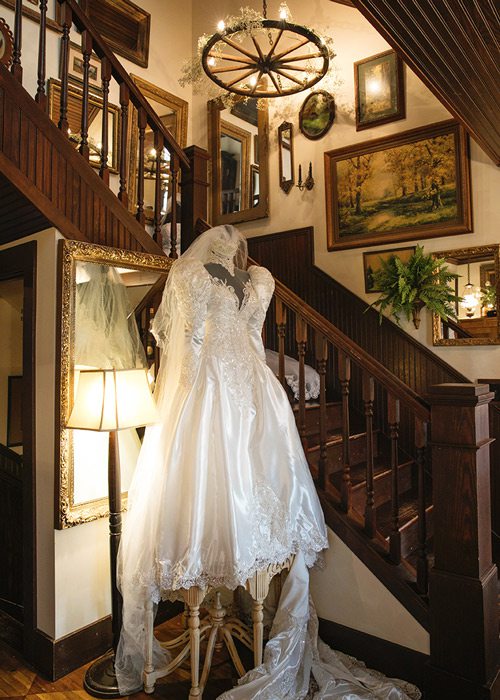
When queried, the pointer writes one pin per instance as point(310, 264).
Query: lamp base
point(100, 678)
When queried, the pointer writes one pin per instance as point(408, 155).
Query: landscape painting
point(412, 185)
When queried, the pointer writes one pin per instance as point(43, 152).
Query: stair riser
point(409, 534)
point(334, 421)
point(383, 488)
point(357, 453)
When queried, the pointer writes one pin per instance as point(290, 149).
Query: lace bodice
point(220, 328)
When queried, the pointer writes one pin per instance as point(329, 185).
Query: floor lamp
point(110, 400)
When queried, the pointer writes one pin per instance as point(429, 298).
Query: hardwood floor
point(18, 681)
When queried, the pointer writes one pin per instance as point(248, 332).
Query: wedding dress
point(222, 487)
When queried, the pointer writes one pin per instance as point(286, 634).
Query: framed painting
point(317, 114)
point(379, 90)
point(75, 66)
point(372, 262)
point(407, 186)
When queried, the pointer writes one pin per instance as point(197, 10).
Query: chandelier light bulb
point(284, 12)
point(211, 61)
point(221, 25)
point(253, 80)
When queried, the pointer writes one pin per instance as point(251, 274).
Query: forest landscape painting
point(408, 186)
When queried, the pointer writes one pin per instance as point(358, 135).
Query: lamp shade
point(109, 399)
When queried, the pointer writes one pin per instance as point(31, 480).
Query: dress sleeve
point(263, 283)
point(191, 285)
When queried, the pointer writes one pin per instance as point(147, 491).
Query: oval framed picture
point(6, 43)
point(317, 114)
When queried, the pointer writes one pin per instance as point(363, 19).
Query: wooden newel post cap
point(459, 394)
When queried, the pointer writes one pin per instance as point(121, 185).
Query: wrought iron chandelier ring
point(243, 70)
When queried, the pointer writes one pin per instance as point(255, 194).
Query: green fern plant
point(489, 296)
point(407, 287)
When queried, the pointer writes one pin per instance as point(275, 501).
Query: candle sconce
point(308, 183)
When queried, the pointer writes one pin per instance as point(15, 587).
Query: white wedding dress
point(222, 487)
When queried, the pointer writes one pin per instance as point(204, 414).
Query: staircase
point(368, 438)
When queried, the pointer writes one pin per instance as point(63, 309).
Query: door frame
point(20, 261)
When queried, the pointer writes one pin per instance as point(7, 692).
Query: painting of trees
point(410, 185)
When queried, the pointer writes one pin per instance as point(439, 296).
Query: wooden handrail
point(320, 324)
point(82, 22)
point(394, 385)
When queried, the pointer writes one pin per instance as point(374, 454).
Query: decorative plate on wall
point(6, 43)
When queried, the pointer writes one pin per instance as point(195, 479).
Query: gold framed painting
point(407, 186)
point(372, 262)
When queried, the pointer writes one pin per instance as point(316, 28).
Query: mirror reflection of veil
point(106, 330)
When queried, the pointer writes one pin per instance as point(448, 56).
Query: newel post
point(464, 659)
point(194, 189)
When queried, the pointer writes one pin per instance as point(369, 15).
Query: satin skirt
point(222, 489)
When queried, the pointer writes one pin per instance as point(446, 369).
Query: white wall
point(354, 39)
point(347, 592)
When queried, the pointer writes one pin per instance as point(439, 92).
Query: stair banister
point(82, 22)
point(319, 323)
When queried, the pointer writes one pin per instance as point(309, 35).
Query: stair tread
point(358, 472)
point(408, 511)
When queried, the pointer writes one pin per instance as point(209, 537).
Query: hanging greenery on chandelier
point(251, 56)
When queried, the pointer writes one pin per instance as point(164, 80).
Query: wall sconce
point(308, 183)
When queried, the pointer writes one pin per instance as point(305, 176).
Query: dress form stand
point(216, 628)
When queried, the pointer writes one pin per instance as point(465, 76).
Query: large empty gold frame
point(69, 510)
point(216, 628)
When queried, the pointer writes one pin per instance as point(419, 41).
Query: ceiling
point(453, 46)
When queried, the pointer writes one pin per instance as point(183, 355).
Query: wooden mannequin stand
point(217, 628)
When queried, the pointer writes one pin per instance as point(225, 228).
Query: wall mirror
point(479, 287)
point(103, 292)
point(285, 155)
point(239, 150)
point(173, 112)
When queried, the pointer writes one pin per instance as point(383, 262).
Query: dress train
point(299, 666)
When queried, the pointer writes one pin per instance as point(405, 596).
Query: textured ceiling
point(453, 46)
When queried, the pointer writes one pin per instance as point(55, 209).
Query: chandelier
point(253, 56)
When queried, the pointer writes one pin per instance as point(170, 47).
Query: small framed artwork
point(14, 411)
point(317, 114)
point(403, 187)
point(75, 66)
point(372, 262)
point(247, 111)
point(379, 90)
point(487, 273)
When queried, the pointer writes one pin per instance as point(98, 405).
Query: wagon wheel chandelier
point(271, 58)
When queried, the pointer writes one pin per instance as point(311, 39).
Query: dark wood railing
point(312, 331)
point(72, 15)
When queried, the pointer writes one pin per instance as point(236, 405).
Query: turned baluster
point(124, 105)
point(174, 171)
point(368, 399)
point(17, 69)
point(393, 420)
point(84, 129)
point(301, 339)
point(41, 96)
point(66, 19)
point(281, 324)
point(142, 122)
point(105, 78)
point(344, 372)
point(422, 562)
point(157, 234)
point(321, 347)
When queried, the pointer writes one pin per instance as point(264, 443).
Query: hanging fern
point(421, 281)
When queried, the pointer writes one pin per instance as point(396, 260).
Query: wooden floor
point(18, 680)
